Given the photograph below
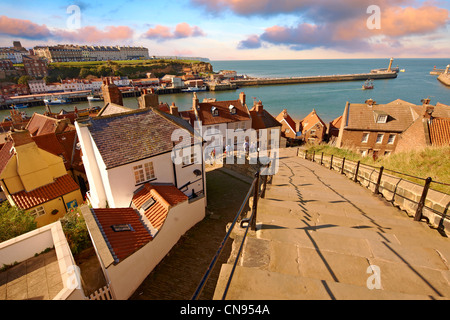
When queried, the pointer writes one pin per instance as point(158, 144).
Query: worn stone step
point(256, 284)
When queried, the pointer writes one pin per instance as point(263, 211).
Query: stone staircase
point(321, 236)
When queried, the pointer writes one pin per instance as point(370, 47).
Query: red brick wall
point(353, 140)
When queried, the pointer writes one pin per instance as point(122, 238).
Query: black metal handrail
point(375, 167)
point(420, 204)
point(255, 188)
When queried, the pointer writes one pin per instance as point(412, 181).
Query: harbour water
point(328, 99)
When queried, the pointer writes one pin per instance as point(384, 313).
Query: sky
point(238, 29)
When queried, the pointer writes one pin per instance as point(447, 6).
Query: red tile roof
point(5, 155)
point(310, 121)
point(261, 119)
point(286, 117)
point(440, 132)
point(165, 196)
point(122, 243)
point(225, 116)
point(60, 187)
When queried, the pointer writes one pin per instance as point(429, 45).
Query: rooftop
point(134, 135)
point(123, 230)
point(156, 200)
point(61, 186)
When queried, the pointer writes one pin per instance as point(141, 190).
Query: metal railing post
point(421, 203)
point(343, 164)
point(314, 156)
point(255, 202)
point(377, 187)
point(306, 154)
point(357, 170)
point(331, 162)
point(321, 159)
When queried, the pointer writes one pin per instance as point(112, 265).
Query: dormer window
point(232, 109)
point(380, 116)
point(214, 111)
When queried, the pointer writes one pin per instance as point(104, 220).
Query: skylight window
point(214, 111)
point(122, 227)
point(232, 109)
point(148, 204)
point(382, 118)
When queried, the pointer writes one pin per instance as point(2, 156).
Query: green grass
point(433, 162)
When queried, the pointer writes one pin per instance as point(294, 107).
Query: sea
point(328, 99)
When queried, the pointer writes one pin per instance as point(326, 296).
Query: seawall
point(445, 79)
point(312, 79)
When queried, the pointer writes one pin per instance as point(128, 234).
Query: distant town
point(128, 183)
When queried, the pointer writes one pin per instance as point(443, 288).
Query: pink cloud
point(352, 34)
point(90, 34)
point(23, 28)
point(182, 30)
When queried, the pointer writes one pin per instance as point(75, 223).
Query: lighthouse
point(390, 65)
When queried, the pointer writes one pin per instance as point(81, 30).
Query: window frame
point(382, 138)
point(393, 139)
point(145, 172)
point(366, 135)
point(36, 212)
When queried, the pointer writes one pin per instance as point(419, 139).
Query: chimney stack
point(111, 93)
point(259, 106)
point(370, 102)
point(242, 98)
point(194, 102)
point(148, 99)
point(174, 110)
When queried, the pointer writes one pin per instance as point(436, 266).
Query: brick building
point(288, 125)
point(376, 129)
point(313, 129)
point(35, 66)
point(431, 128)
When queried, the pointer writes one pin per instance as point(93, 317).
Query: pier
point(313, 79)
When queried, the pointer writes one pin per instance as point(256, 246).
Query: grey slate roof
point(135, 135)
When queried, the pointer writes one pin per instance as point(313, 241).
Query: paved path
point(322, 236)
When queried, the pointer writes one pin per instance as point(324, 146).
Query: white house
point(145, 192)
point(221, 117)
point(123, 151)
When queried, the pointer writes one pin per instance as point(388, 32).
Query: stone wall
point(400, 192)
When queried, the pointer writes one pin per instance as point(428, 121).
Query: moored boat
point(368, 84)
point(52, 101)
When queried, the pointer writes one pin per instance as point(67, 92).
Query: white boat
point(194, 89)
point(51, 101)
point(93, 98)
point(402, 70)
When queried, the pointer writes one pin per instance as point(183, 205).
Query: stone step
point(256, 284)
point(314, 263)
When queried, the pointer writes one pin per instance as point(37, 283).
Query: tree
point(14, 222)
point(76, 231)
point(24, 80)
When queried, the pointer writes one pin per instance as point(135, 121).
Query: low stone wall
point(400, 192)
